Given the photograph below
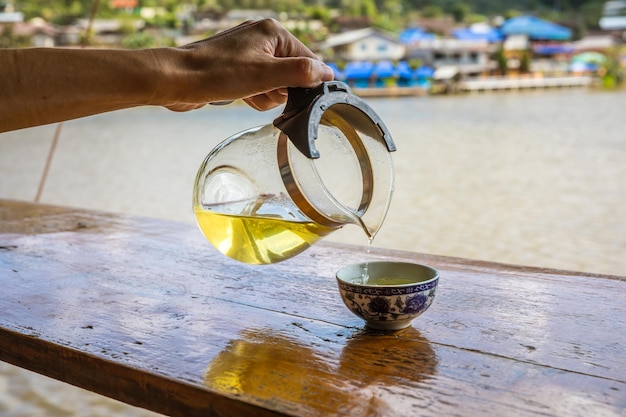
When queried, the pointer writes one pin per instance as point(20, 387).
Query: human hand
point(255, 61)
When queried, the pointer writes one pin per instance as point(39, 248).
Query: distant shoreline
point(480, 84)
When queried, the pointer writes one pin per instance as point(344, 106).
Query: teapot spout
point(369, 232)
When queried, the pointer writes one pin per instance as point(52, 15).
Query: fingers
point(267, 100)
point(292, 72)
point(183, 107)
point(300, 72)
point(295, 64)
point(285, 44)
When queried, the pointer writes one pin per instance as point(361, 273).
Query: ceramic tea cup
point(387, 295)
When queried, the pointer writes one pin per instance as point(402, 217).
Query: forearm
point(40, 86)
point(254, 61)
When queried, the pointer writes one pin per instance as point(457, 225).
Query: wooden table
point(147, 312)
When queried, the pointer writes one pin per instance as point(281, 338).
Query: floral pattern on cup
point(405, 304)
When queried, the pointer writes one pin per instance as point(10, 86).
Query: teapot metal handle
point(304, 109)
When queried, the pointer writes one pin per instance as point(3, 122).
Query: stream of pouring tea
point(365, 276)
point(370, 239)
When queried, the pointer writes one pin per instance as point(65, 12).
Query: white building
point(367, 44)
point(468, 56)
point(613, 16)
point(9, 15)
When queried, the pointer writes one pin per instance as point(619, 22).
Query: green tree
point(524, 65)
point(460, 11)
point(9, 40)
point(590, 13)
point(501, 60)
point(431, 12)
point(321, 13)
point(389, 14)
point(139, 40)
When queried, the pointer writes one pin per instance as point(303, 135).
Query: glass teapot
point(268, 193)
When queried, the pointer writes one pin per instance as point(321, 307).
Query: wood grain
point(147, 312)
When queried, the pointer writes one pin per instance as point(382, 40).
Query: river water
point(533, 178)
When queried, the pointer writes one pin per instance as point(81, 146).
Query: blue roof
point(358, 70)
point(491, 35)
point(535, 28)
point(411, 35)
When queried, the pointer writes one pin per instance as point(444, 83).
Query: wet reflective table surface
point(147, 312)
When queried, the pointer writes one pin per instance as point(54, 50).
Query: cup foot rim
point(388, 325)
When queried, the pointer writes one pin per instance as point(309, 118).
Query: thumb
point(301, 72)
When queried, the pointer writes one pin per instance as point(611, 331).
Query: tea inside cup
point(388, 295)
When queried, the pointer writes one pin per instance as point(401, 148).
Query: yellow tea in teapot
point(256, 239)
point(269, 192)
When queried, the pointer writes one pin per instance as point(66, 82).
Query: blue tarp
point(368, 74)
point(553, 49)
point(535, 28)
point(384, 69)
point(491, 35)
point(403, 70)
point(424, 72)
point(411, 35)
point(583, 67)
point(358, 70)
